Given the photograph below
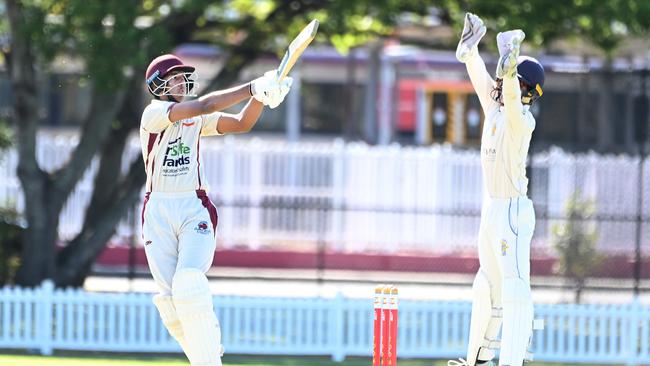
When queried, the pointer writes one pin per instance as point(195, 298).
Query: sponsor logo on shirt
point(504, 247)
point(177, 159)
point(177, 154)
point(202, 228)
point(490, 153)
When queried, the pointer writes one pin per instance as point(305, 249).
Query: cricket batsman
point(179, 221)
point(501, 288)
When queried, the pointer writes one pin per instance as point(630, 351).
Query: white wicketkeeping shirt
point(507, 131)
point(171, 150)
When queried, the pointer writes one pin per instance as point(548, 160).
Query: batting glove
point(508, 43)
point(281, 92)
point(473, 31)
point(269, 91)
point(262, 87)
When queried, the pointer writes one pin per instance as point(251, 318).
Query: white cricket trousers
point(179, 231)
point(505, 233)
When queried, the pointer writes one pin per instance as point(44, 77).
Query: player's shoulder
point(155, 111)
point(157, 106)
point(529, 119)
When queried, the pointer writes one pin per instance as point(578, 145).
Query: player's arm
point(222, 123)
point(260, 89)
point(209, 103)
point(467, 53)
point(481, 80)
point(242, 121)
point(518, 120)
point(509, 43)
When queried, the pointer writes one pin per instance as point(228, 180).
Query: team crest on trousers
point(504, 247)
point(202, 228)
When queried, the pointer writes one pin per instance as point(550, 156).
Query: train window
point(67, 100)
point(439, 116)
point(473, 119)
point(618, 112)
point(587, 134)
point(557, 117)
point(322, 110)
point(272, 120)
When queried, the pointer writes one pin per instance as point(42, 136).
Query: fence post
point(256, 171)
point(44, 306)
point(228, 176)
point(338, 197)
point(338, 348)
point(633, 331)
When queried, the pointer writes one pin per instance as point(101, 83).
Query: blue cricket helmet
point(531, 72)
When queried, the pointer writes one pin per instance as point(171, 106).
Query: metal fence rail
point(45, 319)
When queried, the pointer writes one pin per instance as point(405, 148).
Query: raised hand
point(278, 94)
point(473, 31)
point(508, 43)
point(268, 90)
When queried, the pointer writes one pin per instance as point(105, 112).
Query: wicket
point(384, 348)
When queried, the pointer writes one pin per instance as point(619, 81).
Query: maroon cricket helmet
point(161, 66)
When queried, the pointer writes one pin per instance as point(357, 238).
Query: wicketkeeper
point(501, 289)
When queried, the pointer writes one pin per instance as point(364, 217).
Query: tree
point(10, 230)
point(575, 241)
point(603, 23)
point(10, 245)
point(115, 41)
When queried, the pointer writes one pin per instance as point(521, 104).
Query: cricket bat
point(296, 48)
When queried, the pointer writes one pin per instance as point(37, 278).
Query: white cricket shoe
point(463, 362)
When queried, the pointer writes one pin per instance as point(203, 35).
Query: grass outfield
point(129, 360)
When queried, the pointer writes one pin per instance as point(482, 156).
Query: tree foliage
point(10, 245)
point(575, 241)
point(603, 23)
point(10, 230)
point(113, 40)
point(6, 136)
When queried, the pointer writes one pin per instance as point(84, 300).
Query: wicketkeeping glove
point(508, 43)
point(473, 31)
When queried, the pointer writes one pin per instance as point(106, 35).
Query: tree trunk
point(579, 285)
point(75, 260)
point(113, 195)
point(37, 262)
point(45, 194)
point(37, 258)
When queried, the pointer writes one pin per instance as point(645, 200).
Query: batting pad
point(167, 311)
point(485, 322)
point(517, 321)
point(193, 302)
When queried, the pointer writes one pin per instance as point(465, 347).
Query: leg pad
point(193, 303)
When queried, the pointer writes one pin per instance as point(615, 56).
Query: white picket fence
point(378, 198)
point(47, 319)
